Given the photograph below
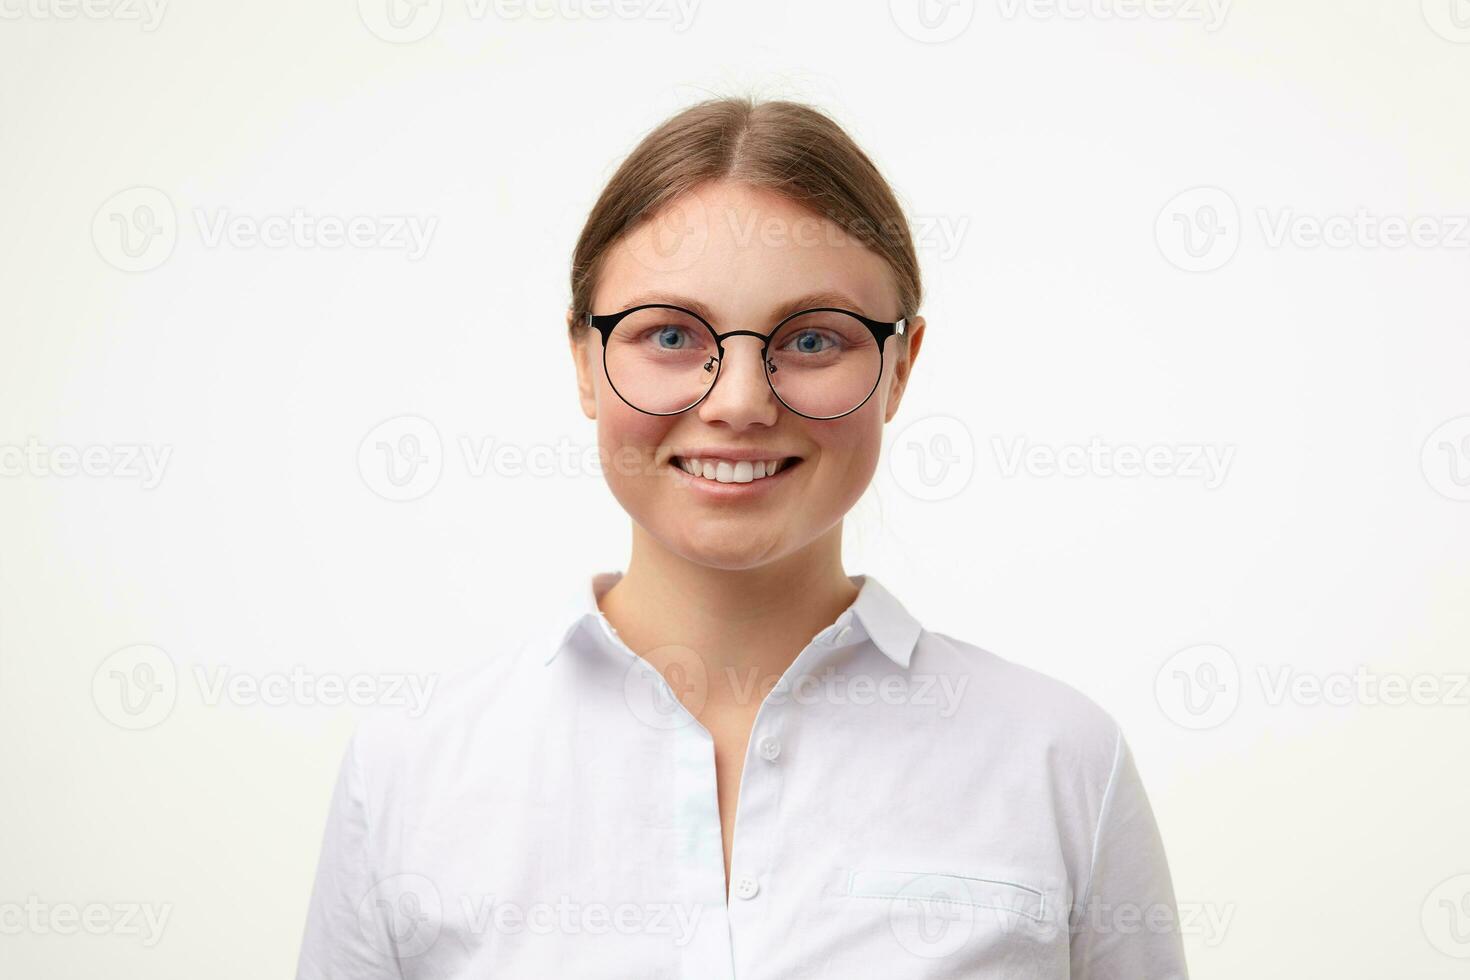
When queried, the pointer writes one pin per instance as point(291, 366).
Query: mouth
point(711, 472)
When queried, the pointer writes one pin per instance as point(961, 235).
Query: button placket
point(759, 791)
point(756, 825)
point(758, 818)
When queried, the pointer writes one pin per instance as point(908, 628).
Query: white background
point(1041, 153)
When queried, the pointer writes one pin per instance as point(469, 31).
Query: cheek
point(850, 450)
point(627, 440)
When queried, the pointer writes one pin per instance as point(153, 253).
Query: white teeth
point(730, 471)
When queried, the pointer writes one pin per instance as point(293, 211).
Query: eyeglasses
point(821, 363)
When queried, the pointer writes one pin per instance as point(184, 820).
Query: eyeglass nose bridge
point(764, 338)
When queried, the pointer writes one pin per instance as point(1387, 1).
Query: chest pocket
point(939, 914)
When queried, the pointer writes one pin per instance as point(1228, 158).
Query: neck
point(745, 625)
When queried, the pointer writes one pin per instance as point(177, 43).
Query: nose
point(741, 396)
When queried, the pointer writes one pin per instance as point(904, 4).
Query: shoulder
point(1037, 716)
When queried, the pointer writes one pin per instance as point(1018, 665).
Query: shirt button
point(746, 887)
point(769, 748)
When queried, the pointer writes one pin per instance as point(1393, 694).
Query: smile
point(733, 471)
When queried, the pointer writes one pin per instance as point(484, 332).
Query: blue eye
point(669, 337)
point(802, 342)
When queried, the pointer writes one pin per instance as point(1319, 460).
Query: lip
point(715, 452)
point(728, 491)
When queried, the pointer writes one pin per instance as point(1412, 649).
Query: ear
point(586, 347)
point(914, 331)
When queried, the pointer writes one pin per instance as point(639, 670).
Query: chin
point(732, 548)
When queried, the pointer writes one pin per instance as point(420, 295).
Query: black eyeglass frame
point(605, 323)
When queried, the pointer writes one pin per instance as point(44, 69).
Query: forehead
point(744, 253)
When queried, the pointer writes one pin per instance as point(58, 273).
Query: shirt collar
point(875, 614)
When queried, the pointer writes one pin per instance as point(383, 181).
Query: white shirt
point(910, 806)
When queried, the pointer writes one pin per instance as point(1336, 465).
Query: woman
point(733, 759)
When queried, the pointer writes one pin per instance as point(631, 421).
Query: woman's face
point(744, 255)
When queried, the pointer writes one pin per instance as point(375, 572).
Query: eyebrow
point(809, 301)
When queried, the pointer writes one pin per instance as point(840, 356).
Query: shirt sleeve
point(345, 939)
point(1127, 925)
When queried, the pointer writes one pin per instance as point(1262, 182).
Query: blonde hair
point(786, 147)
